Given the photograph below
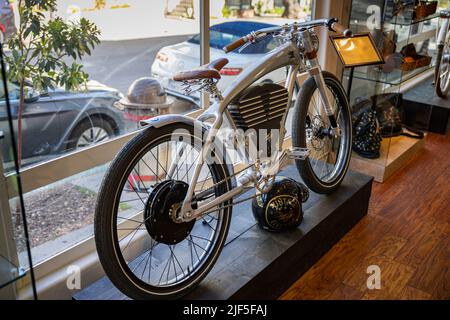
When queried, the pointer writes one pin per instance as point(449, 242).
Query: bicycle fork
point(443, 32)
point(315, 71)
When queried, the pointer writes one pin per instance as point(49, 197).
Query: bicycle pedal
point(298, 153)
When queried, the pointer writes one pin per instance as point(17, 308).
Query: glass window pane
point(61, 114)
point(231, 20)
point(11, 212)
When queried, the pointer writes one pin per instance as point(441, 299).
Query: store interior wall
point(337, 9)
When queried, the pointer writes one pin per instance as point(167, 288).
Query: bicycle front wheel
point(329, 156)
point(143, 249)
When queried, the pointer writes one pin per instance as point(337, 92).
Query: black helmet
point(280, 208)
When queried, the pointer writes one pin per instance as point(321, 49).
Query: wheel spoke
point(178, 262)
point(159, 164)
point(162, 273)
point(123, 218)
point(202, 238)
point(195, 244)
point(198, 156)
point(323, 156)
point(140, 179)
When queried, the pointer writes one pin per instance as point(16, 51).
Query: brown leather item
point(234, 45)
point(207, 71)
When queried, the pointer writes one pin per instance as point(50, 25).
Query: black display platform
point(256, 264)
point(424, 110)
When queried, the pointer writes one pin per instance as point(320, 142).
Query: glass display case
point(405, 34)
point(408, 45)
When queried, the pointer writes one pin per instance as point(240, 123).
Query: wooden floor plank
point(433, 276)
point(344, 292)
point(418, 249)
point(406, 233)
point(395, 276)
point(410, 293)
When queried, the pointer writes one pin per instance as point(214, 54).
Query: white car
point(186, 55)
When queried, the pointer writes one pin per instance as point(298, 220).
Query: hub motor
point(161, 210)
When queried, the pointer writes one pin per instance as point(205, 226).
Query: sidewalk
point(141, 19)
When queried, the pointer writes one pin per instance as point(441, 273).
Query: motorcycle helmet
point(280, 209)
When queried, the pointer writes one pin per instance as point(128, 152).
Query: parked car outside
point(185, 55)
point(7, 23)
point(59, 121)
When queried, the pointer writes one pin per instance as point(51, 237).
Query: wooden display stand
point(257, 264)
point(396, 152)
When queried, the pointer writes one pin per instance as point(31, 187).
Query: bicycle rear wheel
point(144, 252)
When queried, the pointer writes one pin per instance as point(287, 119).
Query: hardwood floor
point(406, 233)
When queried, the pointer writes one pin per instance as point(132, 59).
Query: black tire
point(87, 124)
point(299, 139)
point(437, 79)
point(106, 240)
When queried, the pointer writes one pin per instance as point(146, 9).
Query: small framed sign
point(359, 50)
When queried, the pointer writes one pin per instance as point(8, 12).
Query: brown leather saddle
point(207, 71)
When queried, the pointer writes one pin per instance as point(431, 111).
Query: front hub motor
point(161, 210)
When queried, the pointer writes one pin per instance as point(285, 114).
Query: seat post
point(211, 87)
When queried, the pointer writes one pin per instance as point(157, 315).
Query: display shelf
point(393, 78)
point(418, 37)
point(395, 153)
point(394, 33)
point(257, 264)
point(9, 272)
point(396, 21)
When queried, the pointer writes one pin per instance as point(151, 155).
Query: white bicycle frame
point(288, 55)
point(443, 32)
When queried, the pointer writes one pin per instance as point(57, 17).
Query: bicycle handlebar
point(332, 24)
point(339, 28)
point(236, 44)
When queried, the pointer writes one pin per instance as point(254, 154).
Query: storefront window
point(57, 117)
point(78, 96)
point(12, 224)
point(57, 122)
point(231, 20)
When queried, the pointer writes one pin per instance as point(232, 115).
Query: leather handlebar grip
point(339, 28)
point(234, 45)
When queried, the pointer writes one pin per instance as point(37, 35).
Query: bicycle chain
point(226, 179)
point(230, 205)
